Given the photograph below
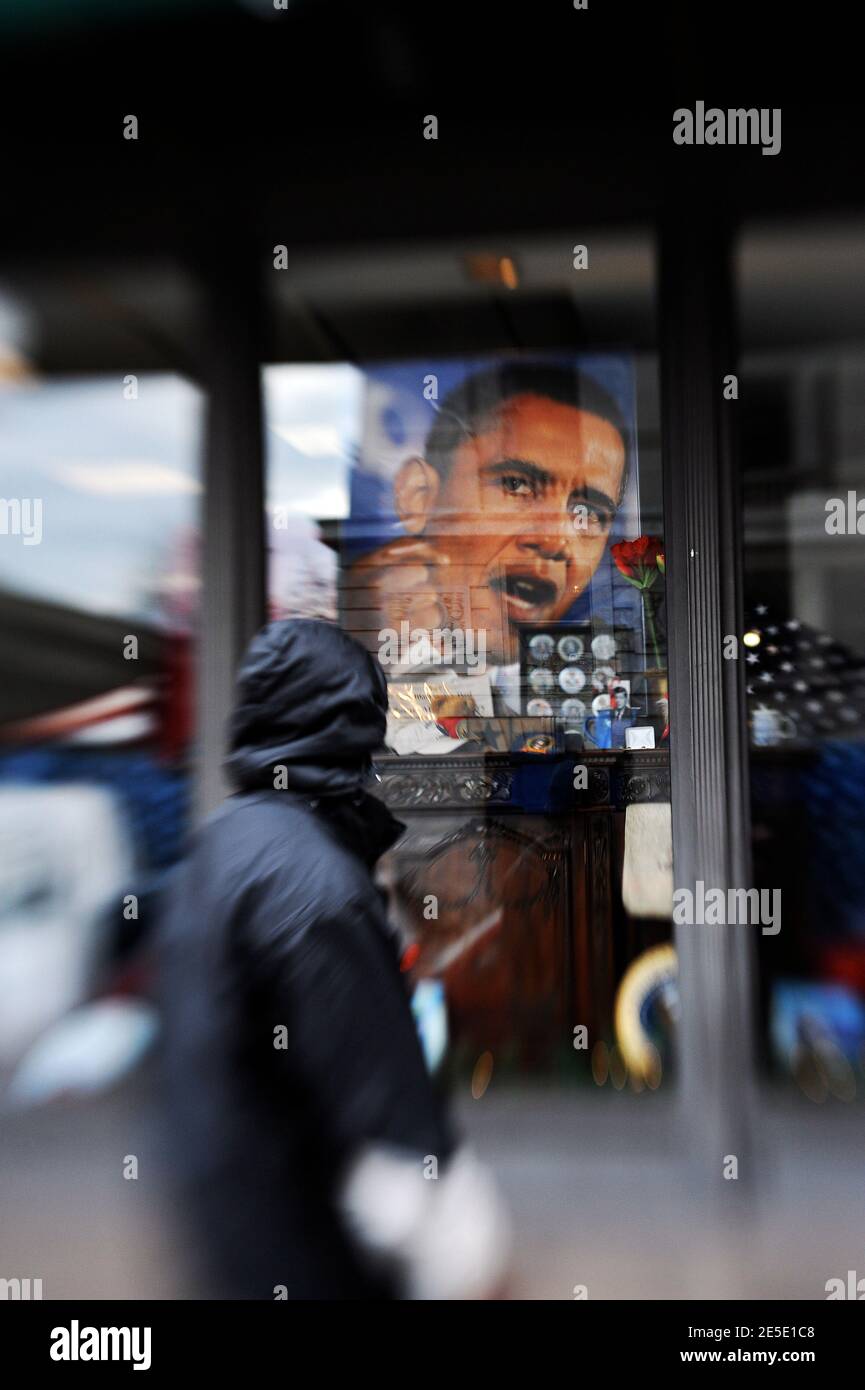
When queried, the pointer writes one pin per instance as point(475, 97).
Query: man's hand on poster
point(402, 581)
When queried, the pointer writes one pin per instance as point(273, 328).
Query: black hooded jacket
point(289, 1040)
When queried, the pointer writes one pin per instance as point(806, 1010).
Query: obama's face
point(522, 517)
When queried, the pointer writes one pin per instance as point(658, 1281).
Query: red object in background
point(176, 697)
point(409, 957)
point(638, 560)
point(450, 724)
point(161, 705)
point(845, 965)
point(641, 561)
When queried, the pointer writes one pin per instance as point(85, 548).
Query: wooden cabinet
point(509, 881)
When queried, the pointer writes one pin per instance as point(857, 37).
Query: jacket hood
point(310, 699)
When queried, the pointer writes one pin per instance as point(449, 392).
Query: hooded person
point(312, 1150)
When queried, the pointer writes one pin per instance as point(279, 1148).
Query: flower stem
point(649, 606)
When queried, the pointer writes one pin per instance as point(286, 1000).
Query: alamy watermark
point(852, 1288)
point(845, 516)
point(717, 907)
point(77, 1343)
point(21, 516)
point(439, 646)
point(20, 1290)
point(735, 126)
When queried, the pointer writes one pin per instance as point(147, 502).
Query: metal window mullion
point(715, 1054)
point(233, 554)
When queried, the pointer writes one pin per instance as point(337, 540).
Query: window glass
point(802, 428)
point(486, 520)
point(99, 496)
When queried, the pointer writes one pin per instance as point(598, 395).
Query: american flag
point(804, 674)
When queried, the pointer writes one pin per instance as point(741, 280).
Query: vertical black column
point(708, 739)
point(232, 521)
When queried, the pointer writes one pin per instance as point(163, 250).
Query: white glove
point(449, 1236)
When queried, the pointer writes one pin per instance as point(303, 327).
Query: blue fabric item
point(155, 798)
point(831, 795)
point(836, 811)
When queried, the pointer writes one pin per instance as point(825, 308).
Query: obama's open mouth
point(527, 594)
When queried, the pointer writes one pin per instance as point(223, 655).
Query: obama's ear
point(415, 491)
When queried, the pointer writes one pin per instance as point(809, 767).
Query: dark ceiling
point(304, 125)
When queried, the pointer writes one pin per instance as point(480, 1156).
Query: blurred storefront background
point(99, 601)
point(802, 455)
point(211, 386)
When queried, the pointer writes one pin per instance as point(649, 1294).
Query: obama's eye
point(513, 485)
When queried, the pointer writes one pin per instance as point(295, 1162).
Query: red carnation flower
point(641, 561)
point(638, 560)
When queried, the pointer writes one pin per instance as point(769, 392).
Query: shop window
point(484, 516)
point(99, 496)
point(803, 319)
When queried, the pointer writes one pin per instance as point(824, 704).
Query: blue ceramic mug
point(606, 729)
